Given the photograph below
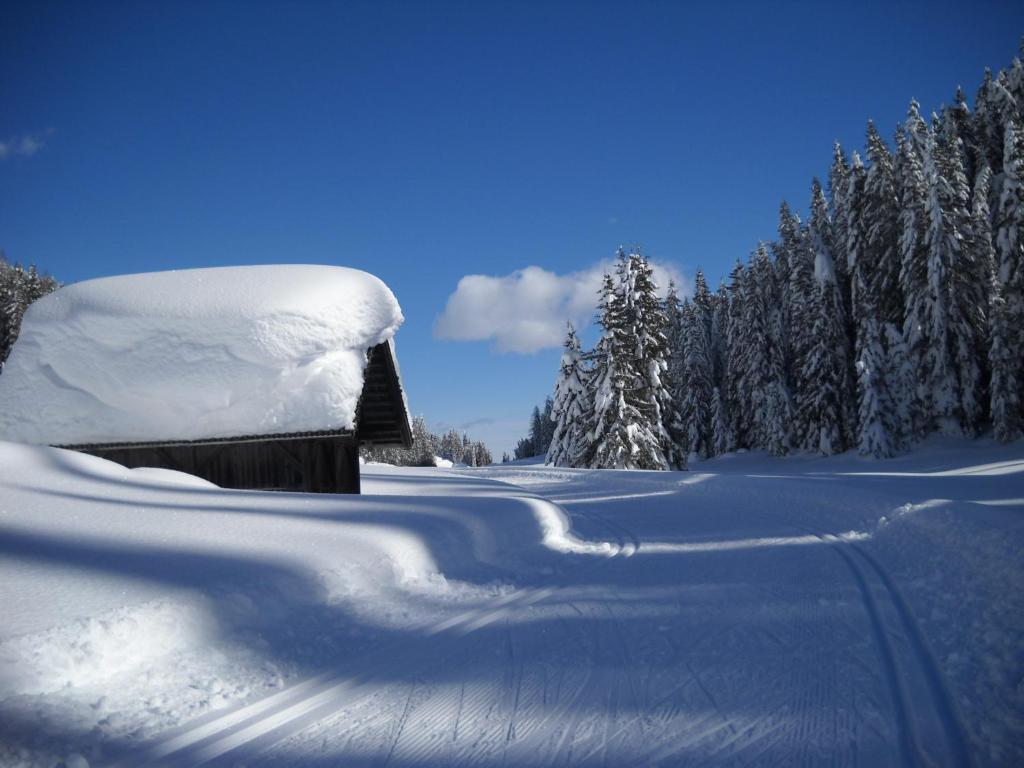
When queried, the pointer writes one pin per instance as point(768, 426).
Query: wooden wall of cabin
point(312, 465)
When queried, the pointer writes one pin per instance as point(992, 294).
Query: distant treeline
point(452, 446)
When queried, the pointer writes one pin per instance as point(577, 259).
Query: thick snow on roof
point(193, 354)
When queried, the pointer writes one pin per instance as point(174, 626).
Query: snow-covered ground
point(751, 611)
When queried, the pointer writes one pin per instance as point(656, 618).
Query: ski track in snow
point(733, 618)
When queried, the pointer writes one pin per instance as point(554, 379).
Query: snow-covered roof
point(195, 354)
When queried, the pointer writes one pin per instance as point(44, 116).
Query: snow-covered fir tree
point(794, 268)
point(568, 409)
point(1007, 335)
point(735, 386)
point(913, 144)
point(696, 402)
point(764, 380)
point(620, 430)
point(824, 360)
point(879, 264)
point(646, 315)
point(872, 435)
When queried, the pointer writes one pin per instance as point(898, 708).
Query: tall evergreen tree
point(696, 404)
point(914, 261)
point(736, 393)
point(619, 431)
point(674, 335)
point(1007, 335)
point(872, 435)
point(651, 355)
point(880, 262)
point(824, 364)
point(968, 282)
point(838, 184)
point(569, 403)
point(823, 241)
point(769, 395)
point(795, 266)
point(721, 434)
point(953, 304)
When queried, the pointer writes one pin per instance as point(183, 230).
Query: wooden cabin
point(312, 462)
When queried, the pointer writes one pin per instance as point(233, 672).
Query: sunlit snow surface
point(195, 353)
point(752, 611)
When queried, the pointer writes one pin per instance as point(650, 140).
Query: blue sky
point(429, 141)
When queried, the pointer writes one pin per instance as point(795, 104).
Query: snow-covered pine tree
point(536, 434)
point(650, 325)
point(567, 413)
point(720, 333)
point(794, 264)
point(481, 455)
point(941, 248)
point(912, 145)
point(765, 373)
point(959, 122)
point(696, 402)
point(736, 392)
point(19, 287)
point(424, 444)
point(1004, 389)
point(881, 229)
point(822, 240)
point(953, 322)
point(451, 446)
point(856, 240)
point(988, 127)
point(619, 434)
point(548, 423)
point(1009, 247)
point(695, 405)
point(825, 360)
point(872, 436)
point(468, 454)
point(721, 434)
point(900, 380)
point(838, 184)
point(674, 335)
point(968, 283)
point(722, 438)
point(882, 265)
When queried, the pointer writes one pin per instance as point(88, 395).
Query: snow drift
point(193, 354)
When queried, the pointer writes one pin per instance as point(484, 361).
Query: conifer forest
point(896, 310)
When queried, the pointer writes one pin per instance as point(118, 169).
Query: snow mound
point(193, 354)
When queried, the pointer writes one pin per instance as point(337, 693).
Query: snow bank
point(192, 354)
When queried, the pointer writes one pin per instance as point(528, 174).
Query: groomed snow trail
point(749, 612)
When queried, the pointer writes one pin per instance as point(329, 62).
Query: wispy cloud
point(526, 310)
point(25, 145)
point(481, 422)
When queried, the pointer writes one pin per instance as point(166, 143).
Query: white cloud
point(25, 146)
point(526, 311)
